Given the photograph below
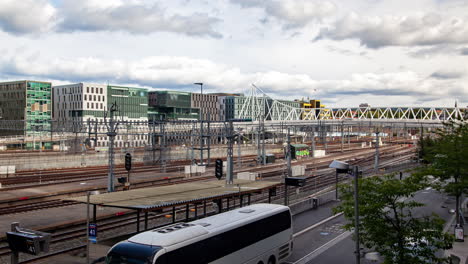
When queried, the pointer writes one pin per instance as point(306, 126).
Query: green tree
point(388, 225)
point(447, 155)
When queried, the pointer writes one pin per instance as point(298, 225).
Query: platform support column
point(173, 214)
point(220, 205)
point(204, 208)
point(196, 211)
point(138, 221)
point(227, 204)
point(186, 212)
point(248, 199)
point(241, 199)
point(94, 213)
point(146, 221)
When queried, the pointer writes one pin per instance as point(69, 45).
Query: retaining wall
point(308, 204)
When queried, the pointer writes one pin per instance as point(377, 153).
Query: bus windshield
point(131, 253)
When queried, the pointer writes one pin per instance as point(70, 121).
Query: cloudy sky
point(344, 52)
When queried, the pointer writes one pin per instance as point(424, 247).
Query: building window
point(101, 91)
point(92, 89)
point(87, 89)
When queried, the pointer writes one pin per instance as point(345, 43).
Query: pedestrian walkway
point(459, 252)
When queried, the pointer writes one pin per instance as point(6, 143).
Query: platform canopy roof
point(177, 194)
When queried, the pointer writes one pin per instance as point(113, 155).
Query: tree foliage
point(387, 223)
point(447, 158)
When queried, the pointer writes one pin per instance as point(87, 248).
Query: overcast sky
point(385, 53)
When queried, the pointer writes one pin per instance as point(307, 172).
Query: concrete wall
point(52, 160)
point(307, 204)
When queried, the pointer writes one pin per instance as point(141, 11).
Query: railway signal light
point(219, 169)
point(128, 161)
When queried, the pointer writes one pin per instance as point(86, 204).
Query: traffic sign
point(92, 232)
point(128, 161)
point(219, 169)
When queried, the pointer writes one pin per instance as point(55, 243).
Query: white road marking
point(323, 248)
point(316, 225)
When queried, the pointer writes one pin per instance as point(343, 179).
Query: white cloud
point(448, 74)
point(294, 13)
point(26, 16)
point(181, 72)
point(417, 30)
point(133, 17)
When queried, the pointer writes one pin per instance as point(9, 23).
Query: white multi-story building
point(77, 103)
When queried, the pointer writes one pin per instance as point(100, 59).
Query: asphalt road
point(330, 244)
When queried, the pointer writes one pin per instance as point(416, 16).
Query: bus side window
point(161, 259)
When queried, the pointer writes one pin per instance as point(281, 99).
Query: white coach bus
point(255, 234)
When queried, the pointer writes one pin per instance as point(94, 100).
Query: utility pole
point(263, 139)
point(162, 145)
point(288, 154)
point(111, 133)
point(259, 153)
point(229, 168)
point(313, 141)
point(349, 137)
point(421, 138)
point(88, 193)
point(342, 136)
point(208, 136)
point(376, 162)
point(201, 142)
point(239, 160)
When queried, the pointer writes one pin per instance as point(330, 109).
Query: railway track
point(111, 223)
point(82, 174)
point(34, 203)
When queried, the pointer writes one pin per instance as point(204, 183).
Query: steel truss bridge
point(258, 105)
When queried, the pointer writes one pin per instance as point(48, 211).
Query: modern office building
point(81, 102)
point(29, 104)
point(209, 106)
point(227, 106)
point(132, 103)
point(171, 105)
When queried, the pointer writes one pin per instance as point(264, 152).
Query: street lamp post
point(356, 213)
point(343, 167)
point(201, 93)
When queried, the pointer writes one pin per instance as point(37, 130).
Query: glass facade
point(38, 107)
point(28, 101)
point(131, 102)
point(171, 105)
